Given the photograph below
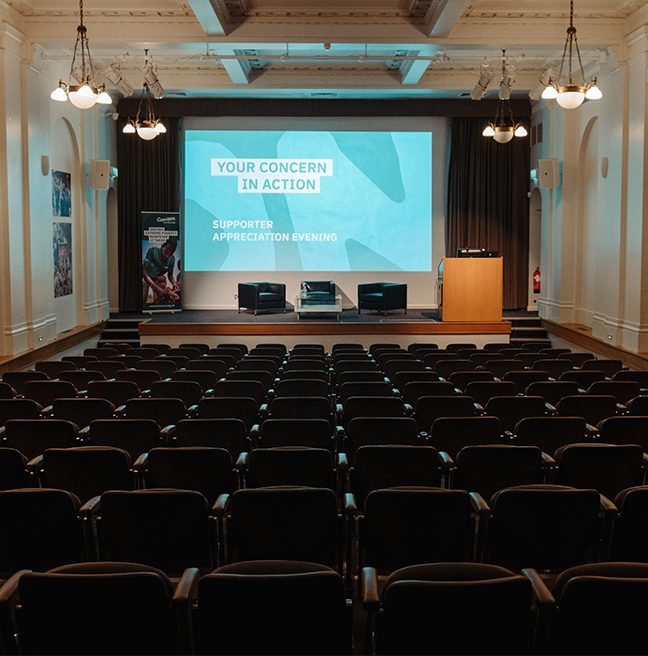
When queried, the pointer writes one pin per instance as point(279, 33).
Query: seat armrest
point(369, 587)
point(167, 434)
point(9, 590)
point(548, 461)
point(187, 585)
point(141, 462)
point(479, 505)
point(350, 507)
point(90, 507)
point(242, 461)
point(607, 507)
point(120, 411)
point(447, 462)
point(479, 408)
point(192, 411)
point(254, 433)
point(220, 506)
point(35, 464)
point(343, 461)
point(47, 412)
point(540, 589)
point(84, 434)
point(409, 410)
point(395, 292)
point(591, 432)
point(550, 409)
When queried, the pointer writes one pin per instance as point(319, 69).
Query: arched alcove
point(112, 246)
point(587, 283)
point(535, 243)
point(66, 229)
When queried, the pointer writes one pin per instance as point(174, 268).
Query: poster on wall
point(61, 194)
point(62, 259)
point(161, 262)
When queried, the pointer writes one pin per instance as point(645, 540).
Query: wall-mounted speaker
point(549, 173)
point(99, 174)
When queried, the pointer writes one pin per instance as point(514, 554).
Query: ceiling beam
point(412, 71)
point(237, 69)
point(442, 16)
point(212, 16)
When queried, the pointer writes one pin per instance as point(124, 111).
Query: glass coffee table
point(306, 305)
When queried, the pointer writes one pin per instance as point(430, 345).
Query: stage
point(217, 326)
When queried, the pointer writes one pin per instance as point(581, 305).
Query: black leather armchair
point(382, 296)
point(262, 296)
point(322, 290)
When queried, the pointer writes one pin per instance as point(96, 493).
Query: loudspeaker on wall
point(549, 172)
point(99, 174)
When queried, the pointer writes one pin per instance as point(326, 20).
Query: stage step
point(121, 330)
point(527, 329)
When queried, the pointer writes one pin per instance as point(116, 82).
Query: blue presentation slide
point(307, 201)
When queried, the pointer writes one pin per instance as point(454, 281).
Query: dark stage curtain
point(487, 202)
point(149, 181)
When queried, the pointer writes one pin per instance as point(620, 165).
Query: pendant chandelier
point(87, 93)
point(145, 124)
point(504, 128)
point(571, 95)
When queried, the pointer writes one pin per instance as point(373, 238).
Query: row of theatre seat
point(295, 607)
point(270, 508)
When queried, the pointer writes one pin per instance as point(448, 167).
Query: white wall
point(37, 127)
point(594, 225)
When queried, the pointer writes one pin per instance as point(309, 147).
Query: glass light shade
point(160, 128)
point(147, 133)
point(82, 97)
point(129, 128)
point(503, 135)
point(521, 131)
point(59, 94)
point(550, 92)
point(488, 131)
point(570, 96)
point(593, 93)
point(104, 99)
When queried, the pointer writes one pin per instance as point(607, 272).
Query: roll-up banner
point(161, 262)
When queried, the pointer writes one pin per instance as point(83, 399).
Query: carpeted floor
point(290, 316)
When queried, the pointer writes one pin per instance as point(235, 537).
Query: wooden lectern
point(470, 289)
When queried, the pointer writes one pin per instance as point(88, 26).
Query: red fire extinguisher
point(536, 281)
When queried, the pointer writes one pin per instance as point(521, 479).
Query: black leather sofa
point(262, 296)
point(382, 296)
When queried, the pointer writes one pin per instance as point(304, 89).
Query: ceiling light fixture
point(148, 127)
point(504, 128)
point(571, 95)
point(547, 74)
point(508, 78)
point(87, 93)
point(487, 73)
point(114, 75)
point(151, 79)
